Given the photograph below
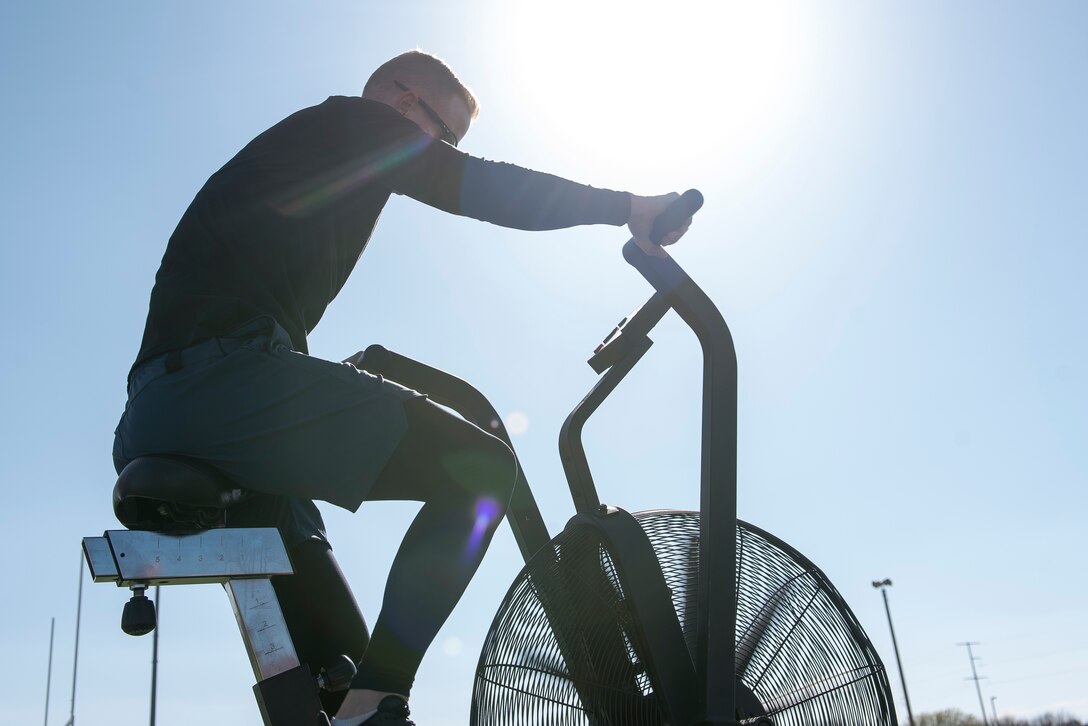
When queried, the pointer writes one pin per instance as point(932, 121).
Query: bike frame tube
point(714, 661)
point(571, 451)
point(614, 359)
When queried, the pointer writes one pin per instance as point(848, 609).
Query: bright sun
point(688, 82)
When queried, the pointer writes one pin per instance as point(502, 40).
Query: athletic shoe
point(392, 711)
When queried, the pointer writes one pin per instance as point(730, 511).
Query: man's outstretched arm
point(511, 196)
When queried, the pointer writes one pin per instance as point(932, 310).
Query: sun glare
point(688, 82)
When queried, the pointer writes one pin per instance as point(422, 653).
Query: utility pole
point(49, 673)
point(881, 585)
point(974, 677)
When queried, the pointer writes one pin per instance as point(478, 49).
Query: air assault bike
point(661, 617)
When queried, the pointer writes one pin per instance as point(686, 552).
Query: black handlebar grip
point(676, 214)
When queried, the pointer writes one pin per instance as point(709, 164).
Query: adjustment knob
point(337, 674)
point(138, 617)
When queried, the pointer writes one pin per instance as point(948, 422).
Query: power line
point(1051, 674)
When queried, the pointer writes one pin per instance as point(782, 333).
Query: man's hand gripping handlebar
point(660, 221)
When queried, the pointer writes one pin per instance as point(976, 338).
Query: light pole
point(881, 585)
point(75, 659)
point(155, 656)
point(993, 708)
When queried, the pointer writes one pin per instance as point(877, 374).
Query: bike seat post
point(264, 630)
point(244, 562)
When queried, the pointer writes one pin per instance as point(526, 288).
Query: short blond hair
point(417, 69)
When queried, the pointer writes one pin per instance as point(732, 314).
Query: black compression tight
point(464, 477)
point(321, 612)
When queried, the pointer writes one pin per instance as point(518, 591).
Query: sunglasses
point(447, 134)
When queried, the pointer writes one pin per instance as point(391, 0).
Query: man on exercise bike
point(223, 374)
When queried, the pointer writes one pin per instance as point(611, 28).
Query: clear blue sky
point(895, 228)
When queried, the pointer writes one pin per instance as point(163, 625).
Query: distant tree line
point(955, 717)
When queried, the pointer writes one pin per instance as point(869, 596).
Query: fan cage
point(563, 650)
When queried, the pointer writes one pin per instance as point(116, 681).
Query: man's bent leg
point(465, 477)
point(321, 612)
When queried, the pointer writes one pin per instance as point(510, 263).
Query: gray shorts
point(291, 427)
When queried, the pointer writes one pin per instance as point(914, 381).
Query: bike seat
point(173, 494)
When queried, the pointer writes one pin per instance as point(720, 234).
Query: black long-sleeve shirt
point(279, 228)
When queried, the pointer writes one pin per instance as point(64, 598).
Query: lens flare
point(348, 177)
point(488, 512)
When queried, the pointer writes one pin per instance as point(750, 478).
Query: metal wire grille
point(562, 650)
point(578, 666)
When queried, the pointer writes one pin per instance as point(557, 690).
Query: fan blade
point(781, 703)
point(757, 629)
point(746, 645)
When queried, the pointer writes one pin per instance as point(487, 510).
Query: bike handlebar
point(676, 214)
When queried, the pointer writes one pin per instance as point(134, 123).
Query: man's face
point(433, 111)
point(454, 111)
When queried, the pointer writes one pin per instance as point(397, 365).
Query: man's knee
point(486, 469)
point(479, 467)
